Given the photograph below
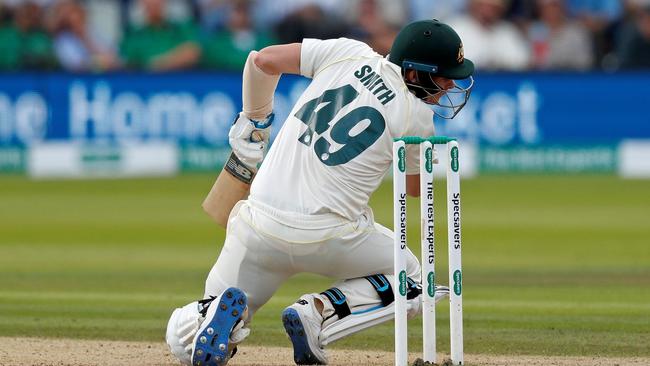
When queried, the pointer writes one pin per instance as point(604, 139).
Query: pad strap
point(383, 288)
point(203, 305)
point(339, 302)
point(414, 289)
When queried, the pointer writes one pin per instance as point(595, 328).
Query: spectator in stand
point(371, 26)
point(310, 21)
point(491, 42)
point(393, 12)
point(521, 13)
point(558, 42)
point(600, 17)
point(438, 9)
point(43, 4)
point(228, 49)
point(634, 42)
point(35, 50)
point(160, 45)
point(76, 48)
point(213, 14)
point(9, 39)
point(267, 14)
point(595, 13)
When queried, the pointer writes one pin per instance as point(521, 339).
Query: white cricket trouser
point(264, 247)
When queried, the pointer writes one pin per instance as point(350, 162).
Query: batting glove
point(249, 139)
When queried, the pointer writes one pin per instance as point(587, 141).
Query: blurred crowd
point(166, 35)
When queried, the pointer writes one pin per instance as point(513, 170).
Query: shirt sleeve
point(317, 54)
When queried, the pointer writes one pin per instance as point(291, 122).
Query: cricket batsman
point(307, 210)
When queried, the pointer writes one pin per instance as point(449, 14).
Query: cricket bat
point(232, 185)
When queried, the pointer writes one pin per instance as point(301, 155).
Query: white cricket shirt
point(336, 145)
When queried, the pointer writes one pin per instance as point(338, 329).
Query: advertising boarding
point(158, 124)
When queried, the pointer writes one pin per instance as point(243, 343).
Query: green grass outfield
point(553, 265)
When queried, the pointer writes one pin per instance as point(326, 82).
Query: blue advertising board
point(554, 108)
point(195, 110)
point(186, 108)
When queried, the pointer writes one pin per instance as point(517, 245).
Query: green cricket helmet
point(433, 49)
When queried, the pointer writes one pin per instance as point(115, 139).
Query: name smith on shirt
point(373, 82)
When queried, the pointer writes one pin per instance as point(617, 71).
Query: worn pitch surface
point(72, 352)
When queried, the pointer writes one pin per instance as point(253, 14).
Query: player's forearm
point(258, 88)
point(261, 74)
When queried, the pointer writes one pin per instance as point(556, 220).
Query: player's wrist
point(240, 170)
point(262, 123)
point(261, 128)
point(258, 89)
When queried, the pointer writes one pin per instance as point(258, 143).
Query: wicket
point(427, 247)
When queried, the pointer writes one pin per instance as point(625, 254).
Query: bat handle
point(257, 136)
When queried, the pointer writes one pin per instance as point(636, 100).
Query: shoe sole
point(302, 354)
point(211, 344)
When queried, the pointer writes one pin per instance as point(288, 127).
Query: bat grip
point(257, 136)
